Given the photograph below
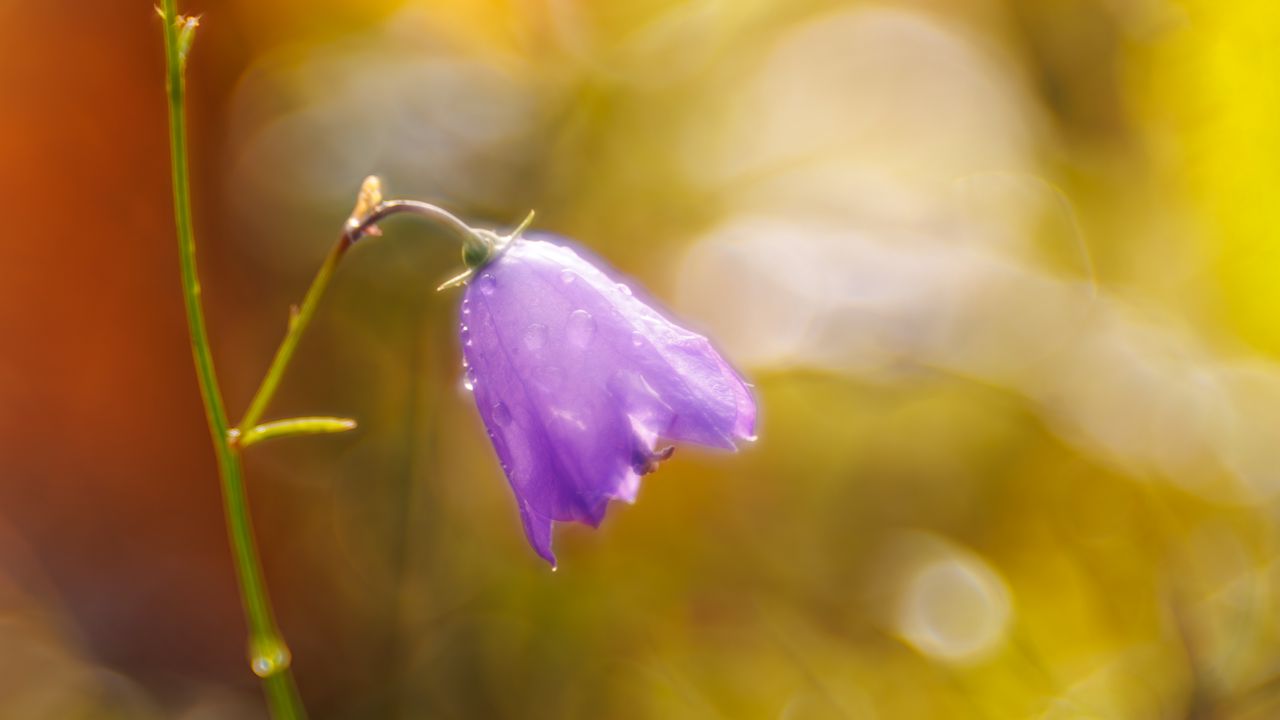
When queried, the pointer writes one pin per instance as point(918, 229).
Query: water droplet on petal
point(581, 328)
point(535, 336)
point(268, 657)
point(637, 339)
point(624, 288)
point(468, 379)
point(487, 283)
point(567, 276)
point(501, 415)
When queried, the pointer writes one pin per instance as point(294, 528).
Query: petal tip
point(546, 554)
point(744, 428)
point(538, 531)
point(629, 489)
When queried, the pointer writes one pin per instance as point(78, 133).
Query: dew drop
point(581, 328)
point(637, 339)
point(468, 379)
point(501, 415)
point(567, 276)
point(268, 657)
point(487, 283)
point(535, 336)
point(624, 289)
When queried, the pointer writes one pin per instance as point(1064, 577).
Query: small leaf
point(294, 426)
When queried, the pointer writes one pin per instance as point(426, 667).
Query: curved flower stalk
point(578, 380)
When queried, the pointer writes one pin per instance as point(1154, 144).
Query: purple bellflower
point(578, 380)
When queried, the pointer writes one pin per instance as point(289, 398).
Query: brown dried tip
point(192, 21)
point(369, 198)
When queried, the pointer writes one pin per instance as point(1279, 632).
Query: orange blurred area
point(1003, 274)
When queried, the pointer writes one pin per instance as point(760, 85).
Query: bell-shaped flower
point(579, 381)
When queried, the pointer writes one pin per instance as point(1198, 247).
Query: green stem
point(363, 221)
point(298, 322)
point(269, 654)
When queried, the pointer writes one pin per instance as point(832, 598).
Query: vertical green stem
point(268, 652)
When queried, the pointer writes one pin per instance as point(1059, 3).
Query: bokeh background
point(1003, 272)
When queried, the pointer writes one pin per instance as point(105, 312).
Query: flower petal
point(577, 379)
